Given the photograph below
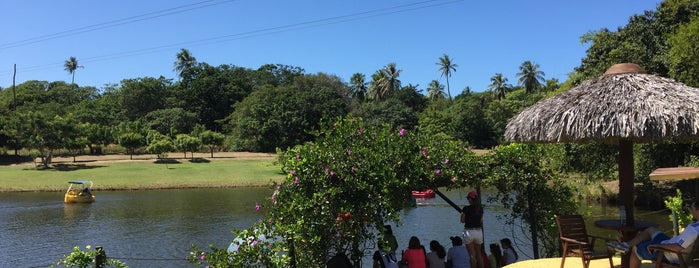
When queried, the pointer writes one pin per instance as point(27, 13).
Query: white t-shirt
point(685, 240)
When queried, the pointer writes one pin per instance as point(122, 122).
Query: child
point(509, 255)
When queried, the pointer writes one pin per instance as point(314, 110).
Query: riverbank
point(120, 172)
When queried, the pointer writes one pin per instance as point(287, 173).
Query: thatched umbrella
point(623, 106)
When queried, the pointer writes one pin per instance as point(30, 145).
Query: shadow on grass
point(14, 159)
point(199, 160)
point(71, 167)
point(167, 161)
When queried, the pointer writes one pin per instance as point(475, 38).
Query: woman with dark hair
point(472, 218)
point(435, 259)
point(414, 256)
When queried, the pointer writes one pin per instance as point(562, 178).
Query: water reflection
point(156, 228)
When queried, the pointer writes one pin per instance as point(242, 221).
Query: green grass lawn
point(143, 175)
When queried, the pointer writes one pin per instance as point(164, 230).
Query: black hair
point(495, 250)
point(437, 247)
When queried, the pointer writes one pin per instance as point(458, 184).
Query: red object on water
point(426, 194)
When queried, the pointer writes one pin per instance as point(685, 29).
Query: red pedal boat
point(426, 194)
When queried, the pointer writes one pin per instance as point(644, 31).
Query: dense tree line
point(279, 106)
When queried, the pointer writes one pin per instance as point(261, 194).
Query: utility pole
point(14, 95)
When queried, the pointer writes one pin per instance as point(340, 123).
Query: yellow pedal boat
point(79, 192)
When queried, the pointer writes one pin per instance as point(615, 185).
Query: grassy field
point(142, 174)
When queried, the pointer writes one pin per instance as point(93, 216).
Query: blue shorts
point(642, 249)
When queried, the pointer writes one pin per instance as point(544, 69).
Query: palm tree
point(435, 90)
point(70, 66)
point(446, 67)
point(358, 85)
point(184, 61)
point(530, 76)
point(499, 85)
point(384, 82)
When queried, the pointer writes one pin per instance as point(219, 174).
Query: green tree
point(160, 147)
point(184, 62)
point(435, 91)
point(131, 141)
point(684, 50)
point(70, 66)
point(171, 121)
point(531, 192)
point(185, 143)
point(212, 140)
point(384, 82)
point(143, 95)
point(358, 86)
point(530, 76)
point(286, 115)
point(446, 67)
point(498, 84)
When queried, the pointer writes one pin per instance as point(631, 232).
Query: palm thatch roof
point(623, 104)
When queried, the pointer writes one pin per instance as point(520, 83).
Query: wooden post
point(101, 257)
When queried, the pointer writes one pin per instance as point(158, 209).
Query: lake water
point(156, 228)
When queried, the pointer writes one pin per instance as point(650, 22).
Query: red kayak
point(426, 194)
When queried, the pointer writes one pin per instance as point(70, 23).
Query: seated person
point(639, 244)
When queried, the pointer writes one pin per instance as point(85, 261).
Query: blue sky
point(125, 39)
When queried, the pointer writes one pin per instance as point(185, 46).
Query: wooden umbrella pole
point(626, 175)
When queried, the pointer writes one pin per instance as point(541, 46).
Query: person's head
point(472, 198)
point(456, 241)
point(694, 209)
point(506, 243)
point(437, 247)
point(414, 242)
point(495, 249)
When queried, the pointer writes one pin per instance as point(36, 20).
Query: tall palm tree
point(530, 76)
point(499, 85)
point(384, 82)
point(184, 61)
point(435, 90)
point(446, 67)
point(70, 66)
point(358, 85)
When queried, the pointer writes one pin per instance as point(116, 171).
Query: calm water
point(157, 228)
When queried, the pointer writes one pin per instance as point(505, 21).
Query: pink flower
point(275, 202)
point(326, 169)
point(254, 243)
point(438, 171)
point(446, 161)
point(269, 245)
point(469, 148)
point(453, 180)
point(349, 152)
point(298, 156)
point(401, 132)
point(270, 220)
point(293, 172)
point(296, 180)
point(332, 173)
point(359, 133)
point(257, 206)
point(352, 169)
point(202, 256)
point(424, 152)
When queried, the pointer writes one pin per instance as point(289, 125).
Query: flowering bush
point(253, 247)
point(84, 259)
